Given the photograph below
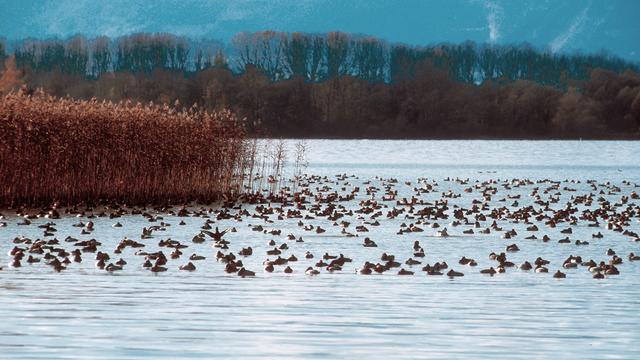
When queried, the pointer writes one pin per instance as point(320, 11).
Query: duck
point(326, 256)
point(615, 260)
point(311, 271)
point(411, 262)
point(443, 233)
point(279, 261)
point(490, 271)
point(513, 248)
point(387, 257)
point(416, 245)
point(366, 269)
point(157, 268)
point(231, 267)
point(612, 270)
point(195, 257)
point(379, 268)
point(188, 267)
point(452, 273)
point(100, 264)
point(597, 267)
point(541, 269)
point(111, 267)
point(245, 273)
point(57, 265)
point(246, 251)
point(559, 275)
point(217, 235)
point(540, 261)
point(369, 243)
point(589, 263)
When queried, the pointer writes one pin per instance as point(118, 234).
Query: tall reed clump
point(71, 151)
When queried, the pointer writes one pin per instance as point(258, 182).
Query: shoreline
point(631, 138)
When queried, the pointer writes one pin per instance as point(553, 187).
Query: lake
point(85, 312)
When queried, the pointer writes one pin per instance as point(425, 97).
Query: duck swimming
point(246, 273)
point(559, 275)
point(188, 267)
point(443, 233)
point(195, 257)
point(311, 271)
point(339, 208)
point(541, 269)
point(453, 273)
point(157, 268)
point(490, 271)
point(513, 248)
point(369, 243)
point(111, 267)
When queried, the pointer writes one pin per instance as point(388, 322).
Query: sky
point(557, 25)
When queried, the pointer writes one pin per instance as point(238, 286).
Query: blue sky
point(561, 26)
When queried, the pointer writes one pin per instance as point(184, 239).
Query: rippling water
point(84, 312)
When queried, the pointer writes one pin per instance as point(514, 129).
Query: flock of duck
point(349, 210)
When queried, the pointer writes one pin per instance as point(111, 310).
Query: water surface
point(84, 312)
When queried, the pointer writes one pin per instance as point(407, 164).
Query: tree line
point(314, 57)
point(344, 85)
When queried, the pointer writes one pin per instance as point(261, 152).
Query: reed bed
point(73, 151)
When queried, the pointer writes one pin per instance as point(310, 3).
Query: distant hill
point(562, 26)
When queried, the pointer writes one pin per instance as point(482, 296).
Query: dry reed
point(72, 151)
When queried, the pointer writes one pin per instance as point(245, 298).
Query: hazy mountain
point(572, 25)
